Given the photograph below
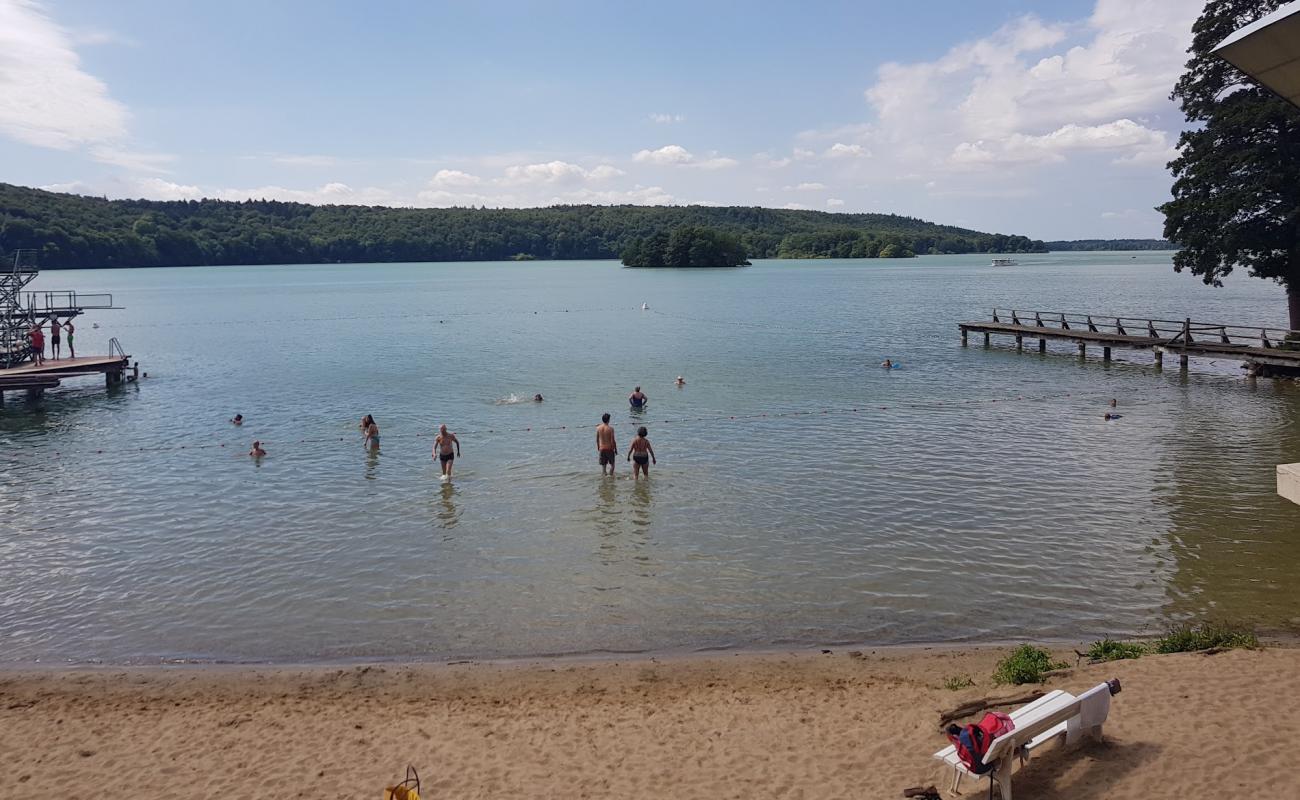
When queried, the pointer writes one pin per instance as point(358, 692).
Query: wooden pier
point(36, 378)
point(1263, 351)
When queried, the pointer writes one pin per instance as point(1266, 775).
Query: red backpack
point(972, 741)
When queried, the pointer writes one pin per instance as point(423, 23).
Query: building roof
point(1268, 50)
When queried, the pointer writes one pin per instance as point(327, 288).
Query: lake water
point(135, 528)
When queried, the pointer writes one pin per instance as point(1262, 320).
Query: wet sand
point(800, 725)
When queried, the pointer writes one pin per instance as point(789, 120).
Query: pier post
point(1042, 345)
point(1020, 343)
point(1105, 354)
point(963, 337)
point(1182, 362)
point(1160, 359)
point(986, 338)
point(1083, 350)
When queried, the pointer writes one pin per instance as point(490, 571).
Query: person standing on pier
point(72, 351)
point(606, 446)
point(38, 343)
point(56, 332)
point(443, 449)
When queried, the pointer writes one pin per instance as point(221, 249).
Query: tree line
point(89, 232)
point(1109, 244)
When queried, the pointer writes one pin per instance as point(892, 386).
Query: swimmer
point(887, 364)
point(606, 446)
point(537, 398)
point(641, 454)
point(1110, 416)
point(257, 451)
point(238, 419)
point(1113, 403)
point(443, 449)
point(680, 381)
point(637, 399)
point(370, 432)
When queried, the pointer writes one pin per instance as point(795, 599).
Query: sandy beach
point(850, 723)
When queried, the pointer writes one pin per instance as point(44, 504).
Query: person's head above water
point(442, 428)
point(641, 431)
point(1112, 402)
point(637, 389)
point(604, 418)
point(238, 418)
point(537, 398)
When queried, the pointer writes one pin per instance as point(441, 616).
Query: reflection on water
point(448, 511)
point(804, 494)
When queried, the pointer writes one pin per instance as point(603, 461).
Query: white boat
point(1004, 262)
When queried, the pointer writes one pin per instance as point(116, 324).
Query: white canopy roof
point(1268, 50)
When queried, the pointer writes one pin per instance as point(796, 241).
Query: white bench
point(1055, 714)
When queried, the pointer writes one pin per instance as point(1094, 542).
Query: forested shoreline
point(1084, 245)
point(74, 231)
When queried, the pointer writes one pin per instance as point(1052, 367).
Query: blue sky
point(1049, 119)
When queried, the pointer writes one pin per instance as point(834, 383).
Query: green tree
point(1237, 176)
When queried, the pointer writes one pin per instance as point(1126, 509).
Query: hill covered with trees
point(1110, 244)
point(77, 231)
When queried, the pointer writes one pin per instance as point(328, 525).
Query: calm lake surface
point(133, 527)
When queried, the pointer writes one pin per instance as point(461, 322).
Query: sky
point(1050, 119)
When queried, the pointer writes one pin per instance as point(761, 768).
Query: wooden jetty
point(36, 378)
point(1263, 351)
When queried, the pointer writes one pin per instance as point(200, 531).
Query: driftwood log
point(984, 703)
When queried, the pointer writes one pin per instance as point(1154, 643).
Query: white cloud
point(667, 119)
point(676, 155)
point(668, 154)
point(46, 99)
point(306, 160)
point(454, 178)
point(1030, 94)
point(553, 172)
point(136, 162)
point(834, 202)
point(795, 206)
point(807, 186)
point(1122, 136)
point(841, 150)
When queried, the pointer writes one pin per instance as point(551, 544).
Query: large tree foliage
point(73, 231)
point(687, 246)
point(1237, 177)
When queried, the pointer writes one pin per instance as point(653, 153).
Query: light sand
point(742, 726)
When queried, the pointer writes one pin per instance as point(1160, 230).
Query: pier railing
point(1167, 331)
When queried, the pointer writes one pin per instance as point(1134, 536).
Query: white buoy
point(645, 307)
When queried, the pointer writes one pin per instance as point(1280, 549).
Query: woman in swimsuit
point(370, 430)
point(641, 454)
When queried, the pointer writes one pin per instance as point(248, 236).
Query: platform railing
point(1168, 331)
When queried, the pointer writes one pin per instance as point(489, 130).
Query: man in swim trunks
point(38, 344)
point(56, 336)
point(606, 447)
point(443, 448)
point(637, 399)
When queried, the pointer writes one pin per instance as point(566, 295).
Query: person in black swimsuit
point(637, 399)
point(641, 454)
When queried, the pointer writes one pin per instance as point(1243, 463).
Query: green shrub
point(1111, 650)
point(1026, 664)
point(958, 682)
point(1186, 638)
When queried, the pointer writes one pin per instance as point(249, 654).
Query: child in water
point(641, 454)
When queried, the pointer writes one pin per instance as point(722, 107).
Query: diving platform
point(36, 378)
point(1263, 351)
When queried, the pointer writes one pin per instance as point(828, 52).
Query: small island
point(686, 246)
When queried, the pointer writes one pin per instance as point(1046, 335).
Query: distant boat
point(1004, 262)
